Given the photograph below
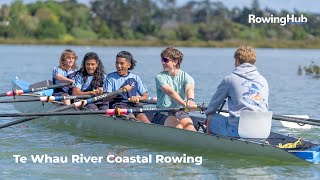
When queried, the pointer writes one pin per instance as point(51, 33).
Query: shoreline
point(272, 43)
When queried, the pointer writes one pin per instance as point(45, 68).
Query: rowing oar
point(109, 112)
point(151, 100)
point(74, 105)
point(315, 122)
point(22, 91)
point(46, 99)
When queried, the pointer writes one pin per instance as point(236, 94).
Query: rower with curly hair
point(90, 78)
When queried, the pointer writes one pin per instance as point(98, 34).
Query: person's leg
point(218, 124)
point(92, 106)
point(142, 117)
point(187, 124)
point(66, 102)
point(159, 118)
point(185, 120)
point(172, 121)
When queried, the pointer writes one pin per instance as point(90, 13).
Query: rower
point(245, 88)
point(123, 78)
point(90, 79)
point(64, 73)
point(175, 88)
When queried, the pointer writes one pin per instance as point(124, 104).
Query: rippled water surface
point(289, 94)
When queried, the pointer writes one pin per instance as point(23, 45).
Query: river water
point(289, 94)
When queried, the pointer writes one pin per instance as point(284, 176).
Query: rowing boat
point(119, 126)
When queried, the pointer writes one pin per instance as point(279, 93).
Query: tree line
point(159, 20)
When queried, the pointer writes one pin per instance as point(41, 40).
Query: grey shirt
point(245, 88)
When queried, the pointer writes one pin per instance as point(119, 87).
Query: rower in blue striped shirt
point(64, 73)
point(122, 78)
point(90, 80)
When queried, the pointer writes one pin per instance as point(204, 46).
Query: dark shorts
point(160, 118)
point(97, 106)
point(59, 93)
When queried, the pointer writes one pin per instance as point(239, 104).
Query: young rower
point(123, 78)
point(175, 88)
point(89, 80)
point(245, 88)
point(64, 73)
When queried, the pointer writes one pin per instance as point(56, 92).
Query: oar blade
point(296, 125)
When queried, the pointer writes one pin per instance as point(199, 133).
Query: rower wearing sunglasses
point(175, 88)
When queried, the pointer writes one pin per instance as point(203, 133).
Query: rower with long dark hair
point(90, 79)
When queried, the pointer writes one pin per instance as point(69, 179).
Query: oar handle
point(46, 99)
point(151, 100)
point(22, 91)
point(54, 112)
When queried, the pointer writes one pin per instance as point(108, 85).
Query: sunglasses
point(165, 60)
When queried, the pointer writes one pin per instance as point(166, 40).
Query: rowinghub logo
point(289, 19)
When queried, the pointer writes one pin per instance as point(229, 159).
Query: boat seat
point(254, 124)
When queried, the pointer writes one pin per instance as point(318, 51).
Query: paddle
point(46, 99)
point(108, 112)
point(296, 125)
point(151, 100)
point(21, 91)
point(315, 122)
point(74, 105)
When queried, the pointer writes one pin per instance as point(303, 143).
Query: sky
point(290, 5)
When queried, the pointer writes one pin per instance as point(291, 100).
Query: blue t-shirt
point(115, 82)
point(86, 86)
point(65, 73)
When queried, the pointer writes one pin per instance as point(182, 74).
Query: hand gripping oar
point(22, 91)
point(74, 105)
point(46, 99)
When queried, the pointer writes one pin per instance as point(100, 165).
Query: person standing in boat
point(89, 80)
point(175, 88)
point(123, 78)
point(64, 73)
point(245, 88)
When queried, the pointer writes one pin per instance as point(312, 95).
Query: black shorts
point(160, 118)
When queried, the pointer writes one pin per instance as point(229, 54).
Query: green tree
point(16, 13)
point(49, 25)
point(187, 32)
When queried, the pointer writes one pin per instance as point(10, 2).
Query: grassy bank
point(312, 44)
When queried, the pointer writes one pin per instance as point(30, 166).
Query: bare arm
point(64, 79)
point(190, 95)
point(77, 91)
point(172, 94)
point(190, 91)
